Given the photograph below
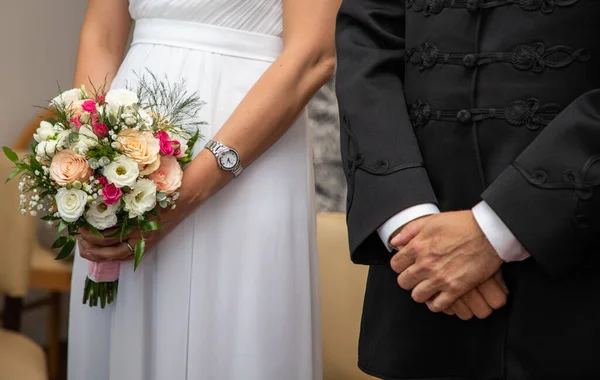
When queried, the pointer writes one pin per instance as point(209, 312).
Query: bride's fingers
point(96, 240)
point(128, 258)
point(84, 247)
point(113, 252)
point(135, 235)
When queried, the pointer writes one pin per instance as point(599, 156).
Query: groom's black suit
point(454, 101)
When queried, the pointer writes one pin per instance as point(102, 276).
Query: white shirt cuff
point(387, 229)
point(504, 242)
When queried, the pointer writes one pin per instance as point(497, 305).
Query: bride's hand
point(95, 248)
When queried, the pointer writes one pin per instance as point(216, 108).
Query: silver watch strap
point(214, 146)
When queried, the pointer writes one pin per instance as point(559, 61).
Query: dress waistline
point(208, 38)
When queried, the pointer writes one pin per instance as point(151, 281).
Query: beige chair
point(20, 358)
point(46, 273)
point(342, 290)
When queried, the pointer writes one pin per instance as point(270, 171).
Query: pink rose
point(76, 122)
point(100, 98)
point(111, 194)
point(95, 118)
point(162, 135)
point(89, 106)
point(102, 180)
point(168, 175)
point(68, 167)
point(100, 129)
point(166, 147)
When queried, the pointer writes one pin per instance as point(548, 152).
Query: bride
point(228, 290)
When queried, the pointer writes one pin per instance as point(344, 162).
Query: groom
point(488, 111)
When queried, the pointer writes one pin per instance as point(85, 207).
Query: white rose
point(120, 98)
point(141, 199)
point(45, 131)
point(70, 204)
point(66, 98)
point(101, 215)
point(123, 171)
point(87, 139)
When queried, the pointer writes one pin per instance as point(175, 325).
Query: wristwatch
point(228, 158)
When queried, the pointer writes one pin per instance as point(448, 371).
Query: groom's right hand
point(482, 301)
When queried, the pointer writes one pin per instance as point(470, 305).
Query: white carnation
point(118, 98)
point(123, 171)
point(70, 204)
point(62, 139)
point(46, 149)
point(141, 199)
point(87, 139)
point(59, 127)
point(101, 215)
point(45, 131)
point(66, 98)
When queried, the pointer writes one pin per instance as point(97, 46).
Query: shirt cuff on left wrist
point(498, 234)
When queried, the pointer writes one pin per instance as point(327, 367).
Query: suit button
point(464, 116)
point(473, 6)
point(470, 60)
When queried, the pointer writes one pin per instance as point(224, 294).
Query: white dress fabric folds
point(231, 294)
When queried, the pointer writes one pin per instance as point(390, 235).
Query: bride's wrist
point(201, 180)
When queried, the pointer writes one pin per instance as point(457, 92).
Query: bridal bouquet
point(108, 161)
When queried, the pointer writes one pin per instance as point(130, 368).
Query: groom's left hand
point(445, 256)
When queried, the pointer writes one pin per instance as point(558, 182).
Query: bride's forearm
point(263, 116)
point(102, 42)
point(275, 101)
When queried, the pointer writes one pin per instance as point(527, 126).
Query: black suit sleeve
point(549, 197)
point(381, 157)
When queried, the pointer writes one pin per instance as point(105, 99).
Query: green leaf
point(66, 250)
point(62, 226)
point(139, 253)
point(93, 230)
point(13, 174)
point(150, 226)
point(61, 241)
point(127, 230)
point(49, 217)
point(10, 154)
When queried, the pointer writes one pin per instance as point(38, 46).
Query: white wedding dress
point(231, 294)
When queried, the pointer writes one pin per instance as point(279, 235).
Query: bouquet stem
point(102, 293)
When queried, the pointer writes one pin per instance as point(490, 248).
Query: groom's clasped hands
point(448, 263)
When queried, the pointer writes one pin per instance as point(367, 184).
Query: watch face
point(229, 159)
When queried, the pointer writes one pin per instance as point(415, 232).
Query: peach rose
point(76, 108)
point(68, 167)
point(168, 175)
point(142, 147)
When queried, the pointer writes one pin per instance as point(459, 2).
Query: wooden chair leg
point(11, 319)
point(54, 335)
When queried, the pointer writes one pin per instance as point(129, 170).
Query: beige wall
point(38, 44)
